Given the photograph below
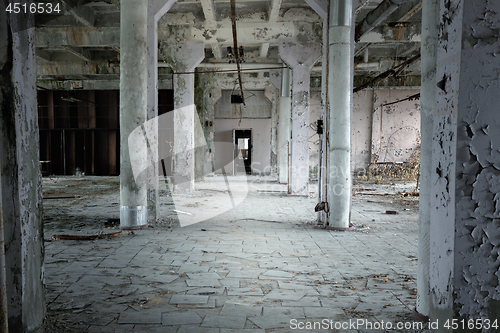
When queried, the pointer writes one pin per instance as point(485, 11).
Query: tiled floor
point(261, 266)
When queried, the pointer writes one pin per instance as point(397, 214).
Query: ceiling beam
point(209, 11)
point(216, 51)
point(264, 49)
point(81, 53)
point(320, 7)
point(84, 15)
point(274, 10)
point(411, 13)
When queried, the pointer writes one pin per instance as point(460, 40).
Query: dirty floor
point(247, 260)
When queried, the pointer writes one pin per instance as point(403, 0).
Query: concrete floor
point(259, 267)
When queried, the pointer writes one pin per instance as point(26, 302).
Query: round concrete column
point(340, 101)
point(133, 110)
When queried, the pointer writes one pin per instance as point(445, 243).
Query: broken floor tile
point(244, 292)
point(180, 318)
point(202, 282)
point(271, 322)
point(140, 317)
point(223, 321)
point(188, 299)
point(285, 295)
point(233, 310)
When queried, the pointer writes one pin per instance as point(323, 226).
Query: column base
point(133, 217)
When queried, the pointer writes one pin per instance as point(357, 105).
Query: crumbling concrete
point(21, 197)
point(300, 54)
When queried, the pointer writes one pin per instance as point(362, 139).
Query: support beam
point(285, 117)
point(428, 49)
point(81, 53)
point(156, 9)
point(217, 52)
point(183, 58)
point(377, 16)
point(300, 56)
point(340, 101)
point(465, 162)
point(320, 7)
point(21, 183)
point(84, 15)
point(274, 10)
point(209, 12)
point(133, 111)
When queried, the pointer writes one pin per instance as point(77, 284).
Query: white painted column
point(184, 57)
point(156, 9)
point(340, 101)
point(284, 126)
point(465, 186)
point(300, 56)
point(133, 109)
point(430, 10)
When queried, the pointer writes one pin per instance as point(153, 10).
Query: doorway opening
point(242, 162)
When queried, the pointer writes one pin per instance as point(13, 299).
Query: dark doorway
point(243, 151)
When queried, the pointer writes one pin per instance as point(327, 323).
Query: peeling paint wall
point(385, 134)
point(261, 136)
point(396, 127)
point(477, 239)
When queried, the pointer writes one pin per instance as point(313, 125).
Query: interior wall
point(380, 134)
point(261, 136)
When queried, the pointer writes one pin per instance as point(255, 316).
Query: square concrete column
point(300, 54)
point(133, 111)
point(183, 58)
point(22, 297)
point(465, 183)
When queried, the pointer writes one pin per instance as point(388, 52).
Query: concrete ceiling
point(83, 43)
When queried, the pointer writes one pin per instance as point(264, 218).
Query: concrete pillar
point(300, 54)
point(156, 9)
point(464, 209)
point(212, 96)
point(272, 95)
point(21, 214)
point(430, 10)
point(340, 101)
point(284, 126)
point(133, 110)
point(182, 58)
